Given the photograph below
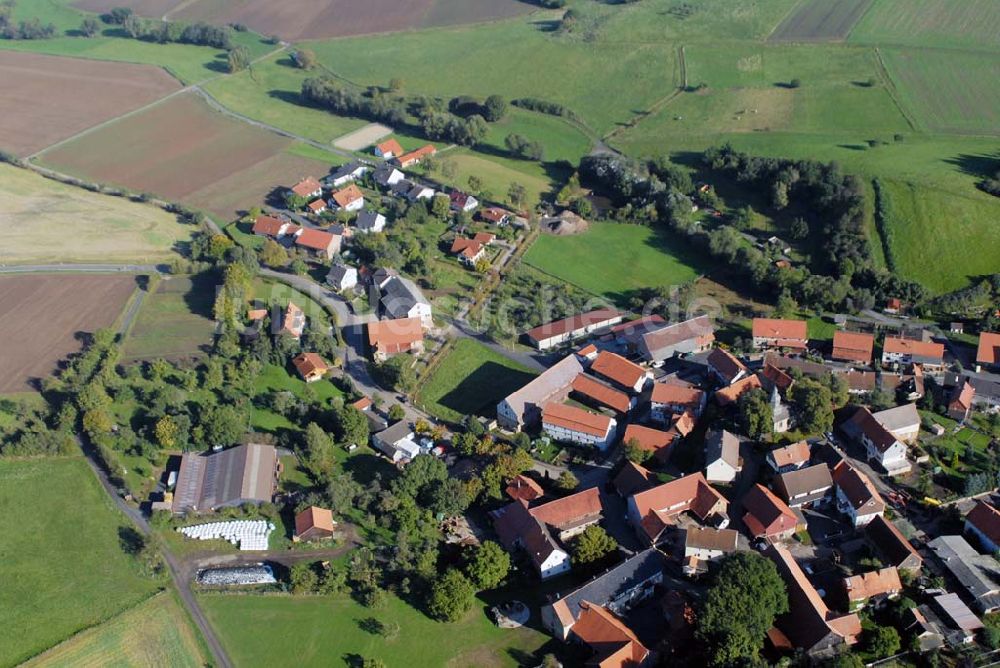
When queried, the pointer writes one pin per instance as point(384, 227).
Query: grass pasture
point(326, 630)
point(470, 380)
point(174, 322)
point(156, 632)
point(820, 21)
point(613, 260)
point(949, 91)
point(279, 379)
point(44, 221)
point(965, 24)
point(62, 567)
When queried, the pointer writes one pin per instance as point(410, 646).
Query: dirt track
point(43, 316)
point(48, 98)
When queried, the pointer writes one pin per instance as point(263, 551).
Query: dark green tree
point(451, 596)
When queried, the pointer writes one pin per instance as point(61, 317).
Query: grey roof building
point(976, 573)
point(805, 486)
point(244, 474)
point(690, 336)
point(370, 221)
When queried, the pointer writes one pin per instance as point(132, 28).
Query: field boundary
point(658, 105)
point(890, 87)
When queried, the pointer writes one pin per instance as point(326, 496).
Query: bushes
point(545, 107)
point(883, 218)
point(329, 94)
point(522, 147)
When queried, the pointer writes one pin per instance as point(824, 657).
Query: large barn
point(208, 481)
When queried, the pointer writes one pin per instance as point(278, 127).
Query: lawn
point(62, 567)
point(614, 260)
point(175, 321)
point(939, 239)
point(44, 221)
point(267, 291)
point(470, 380)
point(326, 631)
point(966, 24)
point(274, 378)
point(156, 632)
point(496, 174)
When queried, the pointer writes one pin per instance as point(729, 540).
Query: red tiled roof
point(731, 394)
point(891, 542)
point(316, 205)
point(345, 196)
point(599, 392)
point(796, 453)
point(401, 332)
point(874, 583)
point(882, 438)
point(652, 440)
point(858, 489)
point(986, 518)
point(778, 378)
point(775, 328)
point(988, 351)
point(572, 324)
point(659, 505)
point(639, 324)
point(314, 517)
point(416, 156)
point(911, 347)
point(669, 393)
point(614, 644)
point(963, 396)
point(576, 419)
point(617, 368)
point(390, 146)
point(766, 514)
point(309, 363)
point(523, 487)
point(306, 187)
point(683, 423)
point(569, 510)
point(494, 214)
point(268, 225)
point(725, 364)
point(484, 238)
point(469, 248)
point(853, 346)
point(317, 239)
point(362, 404)
point(632, 478)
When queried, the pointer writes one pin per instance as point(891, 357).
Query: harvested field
point(202, 147)
point(43, 221)
point(820, 21)
point(295, 20)
point(363, 138)
point(51, 313)
point(47, 98)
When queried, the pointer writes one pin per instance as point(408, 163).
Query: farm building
point(852, 347)
point(684, 338)
point(524, 407)
point(905, 352)
point(778, 334)
point(575, 425)
point(314, 523)
point(988, 351)
point(391, 337)
point(231, 477)
point(555, 333)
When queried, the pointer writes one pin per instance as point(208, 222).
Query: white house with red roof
point(669, 399)
point(462, 201)
point(317, 242)
point(575, 425)
point(390, 148)
point(781, 334)
point(348, 199)
point(307, 188)
point(558, 332)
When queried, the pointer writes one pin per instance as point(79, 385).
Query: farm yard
point(62, 568)
point(52, 311)
point(265, 630)
point(44, 221)
point(202, 148)
point(820, 21)
point(156, 632)
point(47, 99)
point(174, 322)
point(969, 24)
point(470, 380)
point(630, 256)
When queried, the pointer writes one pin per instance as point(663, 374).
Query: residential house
point(523, 408)
point(469, 251)
point(903, 422)
point(575, 425)
point(874, 587)
point(852, 347)
point(369, 221)
point(856, 494)
point(269, 226)
point(294, 321)
point(313, 523)
point(346, 173)
point(316, 207)
point(779, 334)
point(668, 400)
point(618, 589)
point(496, 215)
point(651, 440)
point(570, 515)
point(418, 191)
point(684, 338)
point(892, 546)
point(415, 157)
point(392, 337)
point(556, 333)
point(960, 402)
point(245, 474)
point(307, 188)
point(768, 517)
point(348, 199)
point(708, 544)
point(977, 574)
point(341, 277)
point(460, 201)
point(809, 624)
point(987, 390)
point(789, 458)
point(310, 367)
point(613, 643)
point(521, 487)
point(983, 521)
point(725, 367)
point(804, 487)
point(388, 149)
point(592, 391)
point(893, 306)
point(387, 176)
point(398, 442)
point(730, 395)
point(633, 478)
point(627, 375)
point(401, 298)
point(653, 511)
point(988, 351)
point(881, 445)
point(905, 352)
point(722, 456)
point(318, 243)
